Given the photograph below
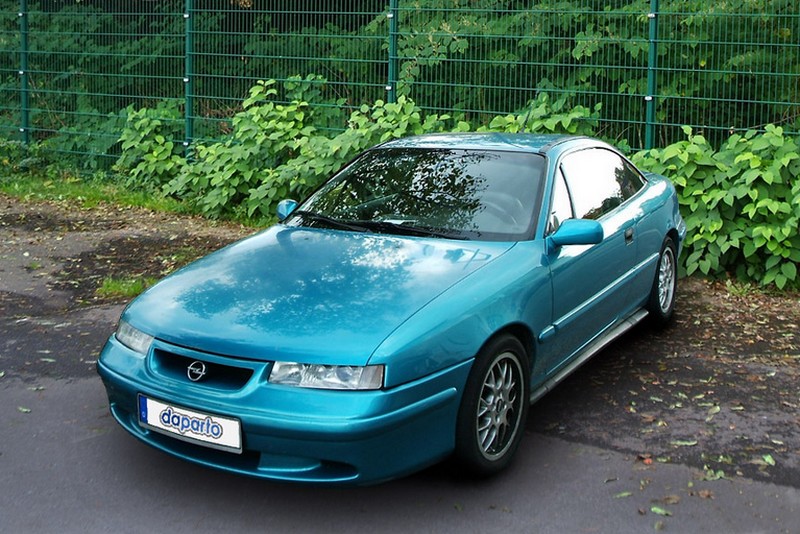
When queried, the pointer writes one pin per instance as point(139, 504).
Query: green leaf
point(769, 460)
point(660, 511)
point(789, 270)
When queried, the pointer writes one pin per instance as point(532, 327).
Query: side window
point(630, 180)
point(599, 180)
point(561, 208)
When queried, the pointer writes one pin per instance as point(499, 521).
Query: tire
point(661, 304)
point(494, 408)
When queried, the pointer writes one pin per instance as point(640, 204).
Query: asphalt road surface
point(652, 435)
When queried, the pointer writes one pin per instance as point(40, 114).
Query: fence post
point(391, 87)
point(652, 66)
point(188, 78)
point(25, 112)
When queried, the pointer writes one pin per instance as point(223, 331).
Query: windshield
point(460, 194)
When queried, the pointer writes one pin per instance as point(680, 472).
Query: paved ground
point(695, 429)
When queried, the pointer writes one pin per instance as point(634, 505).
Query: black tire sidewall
point(659, 316)
point(467, 452)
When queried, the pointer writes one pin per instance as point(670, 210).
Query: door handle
point(629, 235)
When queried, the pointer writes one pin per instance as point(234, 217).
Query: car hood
point(302, 294)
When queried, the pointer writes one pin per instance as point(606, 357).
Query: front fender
point(514, 289)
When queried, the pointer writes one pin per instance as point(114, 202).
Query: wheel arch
point(673, 234)
point(525, 336)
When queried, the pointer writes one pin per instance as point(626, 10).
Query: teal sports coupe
point(410, 310)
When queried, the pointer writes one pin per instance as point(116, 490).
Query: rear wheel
point(662, 296)
point(494, 407)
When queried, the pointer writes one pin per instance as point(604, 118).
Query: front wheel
point(494, 407)
point(662, 296)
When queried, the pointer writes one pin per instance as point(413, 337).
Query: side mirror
point(285, 208)
point(575, 232)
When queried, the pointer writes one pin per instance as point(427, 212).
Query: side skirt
point(593, 348)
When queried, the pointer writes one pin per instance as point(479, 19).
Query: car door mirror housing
point(285, 208)
point(576, 232)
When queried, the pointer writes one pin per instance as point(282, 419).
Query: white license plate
point(190, 425)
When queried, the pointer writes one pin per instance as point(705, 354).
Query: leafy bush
point(280, 150)
point(543, 115)
point(12, 152)
point(151, 156)
point(89, 142)
point(264, 135)
point(15, 157)
point(319, 156)
point(741, 203)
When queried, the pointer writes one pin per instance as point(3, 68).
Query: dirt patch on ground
point(719, 389)
point(42, 219)
point(130, 257)
point(57, 255)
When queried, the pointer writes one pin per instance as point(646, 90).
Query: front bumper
point(294, 434)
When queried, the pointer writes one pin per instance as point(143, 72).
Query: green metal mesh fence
point(80, 66)
point(69, 70)
point(234, 47)
point(730, 66)
point(10, 95)
point(718, 67)
point(485, 61)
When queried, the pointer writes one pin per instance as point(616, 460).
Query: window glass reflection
point(599, 181)
point(473, 194)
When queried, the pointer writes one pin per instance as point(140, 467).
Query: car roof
point(518, 142)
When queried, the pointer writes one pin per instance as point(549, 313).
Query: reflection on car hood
point(305, 294)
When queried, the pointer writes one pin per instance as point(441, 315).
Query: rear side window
point(599, 180)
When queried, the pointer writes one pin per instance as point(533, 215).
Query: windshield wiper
point(377, 226)
point(330, 221)
point(406, 229)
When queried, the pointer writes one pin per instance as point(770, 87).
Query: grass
point(87, 191)
point(32, 174)
point(739, 289)
point(123, 288)
point(178, 258)
point(55, 184)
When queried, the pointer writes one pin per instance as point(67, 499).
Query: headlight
point(134, 339)
point(327, 376)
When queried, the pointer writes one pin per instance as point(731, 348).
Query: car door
point(589, 290)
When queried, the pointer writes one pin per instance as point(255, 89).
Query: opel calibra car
point(410, 310)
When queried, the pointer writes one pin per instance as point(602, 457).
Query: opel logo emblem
point(196, 371)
